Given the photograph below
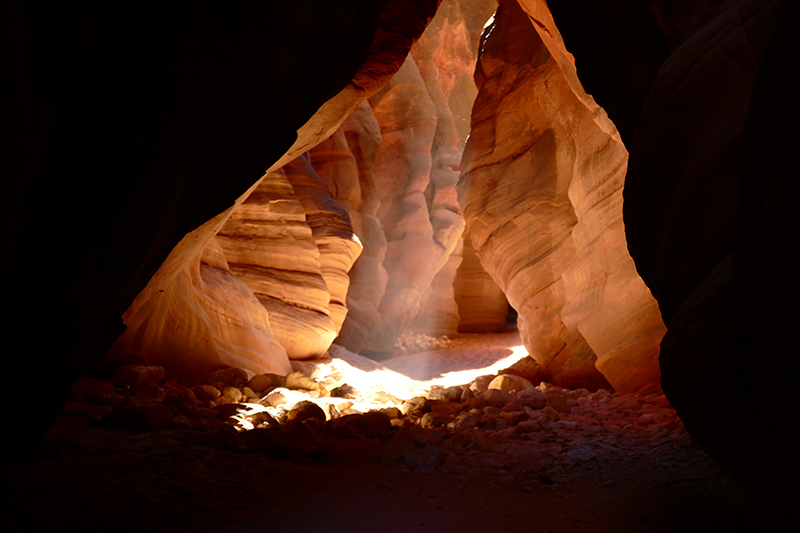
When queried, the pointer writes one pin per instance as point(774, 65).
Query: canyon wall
point(541, 190)
point(134, 128)
point(287, 238)
point(709, 107)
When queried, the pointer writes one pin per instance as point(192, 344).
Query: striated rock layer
point(541, 190)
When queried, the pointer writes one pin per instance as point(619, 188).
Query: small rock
point(558, 401)
point(298, 381)
point(281, 396)
point(415, 403)
point(515, 417)
point(372, 424)
point(436, 393)
point(343, 391)
point(497, 397)
point(206, 393)
point(532, 397)
point(248, 393)
point(453, 394)
point(551, 414)
point(481, 384)
point(496, 423)
point(467, 394)
point(467, 420)
point(232, 376)
point(305, 410)
point(231, 394)
point(261, 382)
point(529, 426)
point(509, 383)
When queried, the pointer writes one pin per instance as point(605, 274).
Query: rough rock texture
point(482, 306)
point(131, 126)
point(426, 115)
point(707, 204)
point(541, 190)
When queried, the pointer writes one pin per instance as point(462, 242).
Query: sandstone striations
point(541, 190)
point(207, 318)
point(420, 238)
point(271, 247)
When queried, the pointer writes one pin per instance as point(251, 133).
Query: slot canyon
point(401, 265)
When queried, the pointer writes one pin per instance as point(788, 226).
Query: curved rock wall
point(541, 190)
point(134, 128)
point(708, 198)
point(297, 296)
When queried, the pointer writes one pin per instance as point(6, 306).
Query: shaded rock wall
point(706, 206)
point(132, 126)
point(307, 313)
point(541, 190)
point(482, 306)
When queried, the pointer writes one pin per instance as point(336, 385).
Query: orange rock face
point(206, 318)
point(420, 235)
point(541, 190)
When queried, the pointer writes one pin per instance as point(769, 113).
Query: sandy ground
point(184, 479)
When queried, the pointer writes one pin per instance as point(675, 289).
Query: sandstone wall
point(709, 107)
point(294, 287)
point(541, 190)
point(132, 129)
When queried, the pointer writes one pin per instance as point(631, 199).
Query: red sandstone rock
point(271, 247)
point(541, 190)
point(205, 319)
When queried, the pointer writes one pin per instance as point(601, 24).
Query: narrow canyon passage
point(397, 265)
point(587, 462)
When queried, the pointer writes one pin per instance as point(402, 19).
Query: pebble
point(232, 394)
point(532, 397)
point(509, 383)
point(232, 376)
point(299, 381)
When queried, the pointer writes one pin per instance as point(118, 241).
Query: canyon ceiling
point(242, 185)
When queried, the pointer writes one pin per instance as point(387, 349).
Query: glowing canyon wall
point(541, 190)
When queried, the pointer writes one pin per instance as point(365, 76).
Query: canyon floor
point(607, 463)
